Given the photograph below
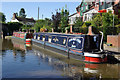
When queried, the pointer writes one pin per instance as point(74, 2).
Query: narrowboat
point(23, 36)
point(87, 48)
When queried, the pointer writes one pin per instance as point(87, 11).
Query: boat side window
point(43, 38)
point(35, 36)
point(38, 37)
point(49, 39)
point(64, 41)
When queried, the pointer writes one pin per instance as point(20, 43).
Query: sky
point(31, 8)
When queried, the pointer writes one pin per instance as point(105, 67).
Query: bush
point(95, 30)
point(118, 28)
point(84, 25)
point(84, 30)
point(14, 26)
point(88, 23)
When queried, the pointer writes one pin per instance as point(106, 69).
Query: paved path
point(113, 49)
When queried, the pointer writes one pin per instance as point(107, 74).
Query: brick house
point(117, 9)
point(25, 21)
point(88, 9)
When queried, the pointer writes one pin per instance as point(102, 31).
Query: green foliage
point(45, 24)
point(22, 13)
point(84, 30)
point(88, 23)
point(84, 25)
point(39, 24)
point(67, 28)
point(26, 27)
point(107, 21)
point(64, 19)
point(14, 26)
point(118, 28)
point(2, 17)
point(78, 22)
point(97, 21)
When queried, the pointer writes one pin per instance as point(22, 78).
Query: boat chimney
point(90, 28)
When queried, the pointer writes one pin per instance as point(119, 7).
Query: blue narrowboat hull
point(81, 47)
point(73, 43)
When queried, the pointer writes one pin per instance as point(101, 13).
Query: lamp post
point(113, 18)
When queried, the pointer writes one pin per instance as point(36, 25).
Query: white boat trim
point(87, 54)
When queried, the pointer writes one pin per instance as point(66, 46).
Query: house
point(88, 9)
point(117, 9)
point(25, 21)
point(110, 6)
point(84, 7)
point(72, 19)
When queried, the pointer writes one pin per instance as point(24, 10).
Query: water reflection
point(93, 71)
point(67, 69)
point(29, 61)
point(18, 49)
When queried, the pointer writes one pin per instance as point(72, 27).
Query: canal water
point(29, 61)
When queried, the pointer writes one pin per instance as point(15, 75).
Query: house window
point(95, 5)
point(85, 17)
point(101, 3)
point(107, 1)
point(86, 7)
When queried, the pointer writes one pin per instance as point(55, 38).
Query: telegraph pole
point(38, 13)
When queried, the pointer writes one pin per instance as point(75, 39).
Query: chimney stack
point(14, 16)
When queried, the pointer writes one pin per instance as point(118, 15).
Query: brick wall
point(114, 40)
point(119, 40)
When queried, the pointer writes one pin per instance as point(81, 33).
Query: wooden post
point(68, 49)
point(52, 29)
point(70, 28)
point(66, 31)
point(119, 71)
point(44, 44)
point(68, 53)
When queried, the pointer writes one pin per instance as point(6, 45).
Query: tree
point(64, 19)
point(2, 17)
point(38, 25)
point(107, 20)
point(22, 13)
point(77, 24)
point(14, 26)
point(56, 20)
point(97, 20)
point(43, 24)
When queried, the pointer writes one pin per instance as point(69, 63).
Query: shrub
point(84, 30)
point(118, 28)
point(88, 23)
